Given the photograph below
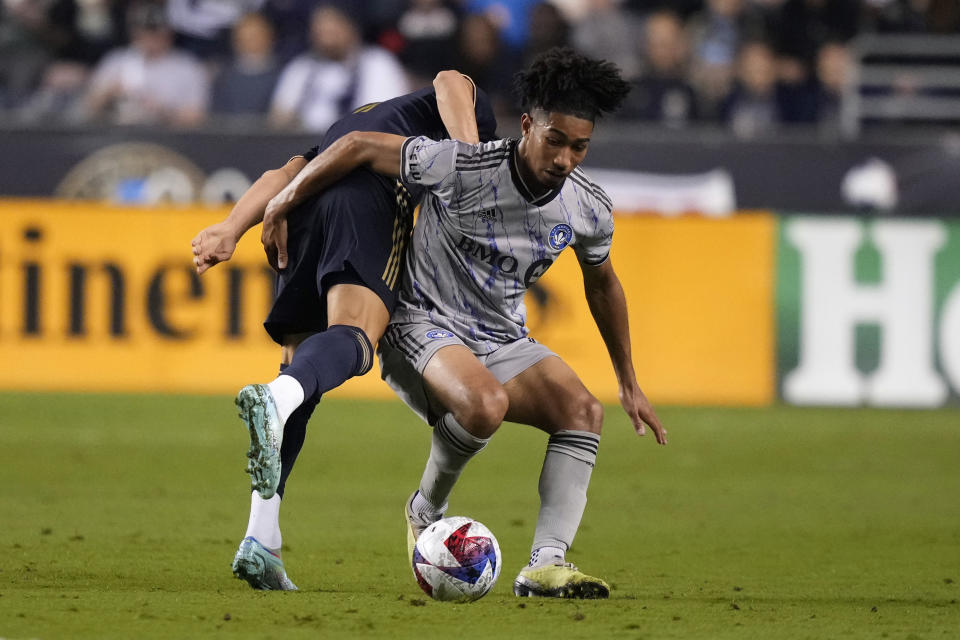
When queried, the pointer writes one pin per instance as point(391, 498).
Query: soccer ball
point(456, 559)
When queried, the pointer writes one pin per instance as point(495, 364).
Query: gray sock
point(563, 487)
point(452, 448)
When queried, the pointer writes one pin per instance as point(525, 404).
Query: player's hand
point(274, 235)
point(214, 244)
point(641, 413)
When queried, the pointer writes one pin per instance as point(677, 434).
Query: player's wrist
point(235, 229)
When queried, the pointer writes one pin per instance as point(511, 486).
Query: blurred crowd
point(750, 65)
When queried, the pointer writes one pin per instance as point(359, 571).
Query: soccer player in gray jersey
point(495, 218)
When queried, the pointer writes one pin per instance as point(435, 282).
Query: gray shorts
point(406, 348)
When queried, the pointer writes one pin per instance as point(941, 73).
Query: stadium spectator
point(91, 28)
point(609, 32)
point(57, 97)
point(481, 56)
point(379, 16)
point(662, 93)
point(512, 19)
point(834, 68)
point(337, 75)
point(715, 35)
point(290, 19)
point(28, 41)
point(203, 27)
point(803, 26)
point(148, 82)
point(754, 107)
point(246, 86)
point(85, 31)
point(548, 29)
point(429, 32)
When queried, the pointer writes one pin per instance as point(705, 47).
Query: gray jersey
point(482, 238)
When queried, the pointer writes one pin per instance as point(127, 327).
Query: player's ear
point(526, 122)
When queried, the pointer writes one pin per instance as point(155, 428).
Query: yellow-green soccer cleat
point(258, 411)
point(413, 531)
point(260, 567)
point(415, 526)
point(559, 581)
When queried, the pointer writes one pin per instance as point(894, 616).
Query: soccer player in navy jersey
point(495, 217)
point(335, 289)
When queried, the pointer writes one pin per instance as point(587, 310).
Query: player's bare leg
point(551, 397)
point(476, 403)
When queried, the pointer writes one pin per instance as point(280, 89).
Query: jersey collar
point(521, 185)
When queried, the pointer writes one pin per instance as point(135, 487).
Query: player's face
point(553, 145)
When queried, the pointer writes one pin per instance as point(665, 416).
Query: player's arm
point(456, 100)
point(609, 308)
point(217, 242)
point(353, 150)
point(379, 151)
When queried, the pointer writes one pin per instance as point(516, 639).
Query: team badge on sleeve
point(560, 236)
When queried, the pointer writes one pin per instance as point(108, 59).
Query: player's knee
point(484, 410)
point(585, 413)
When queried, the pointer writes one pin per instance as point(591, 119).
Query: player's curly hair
point(563, 80)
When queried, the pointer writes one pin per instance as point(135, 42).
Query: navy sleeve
point(486, 121)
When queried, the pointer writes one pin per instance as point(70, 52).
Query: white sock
point(264, 524)
point(547, 555)
point(287, 394)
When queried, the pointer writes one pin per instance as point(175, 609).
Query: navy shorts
point(355, 232)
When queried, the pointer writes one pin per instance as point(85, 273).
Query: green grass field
point(121, 515)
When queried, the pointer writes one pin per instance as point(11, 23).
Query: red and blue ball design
point(456, 559)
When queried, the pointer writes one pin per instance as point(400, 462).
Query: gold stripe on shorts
point(400, 237)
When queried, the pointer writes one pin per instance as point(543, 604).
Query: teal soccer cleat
point(257, 409)
point(260, 567)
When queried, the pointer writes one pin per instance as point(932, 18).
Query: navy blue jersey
point(412, 114)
